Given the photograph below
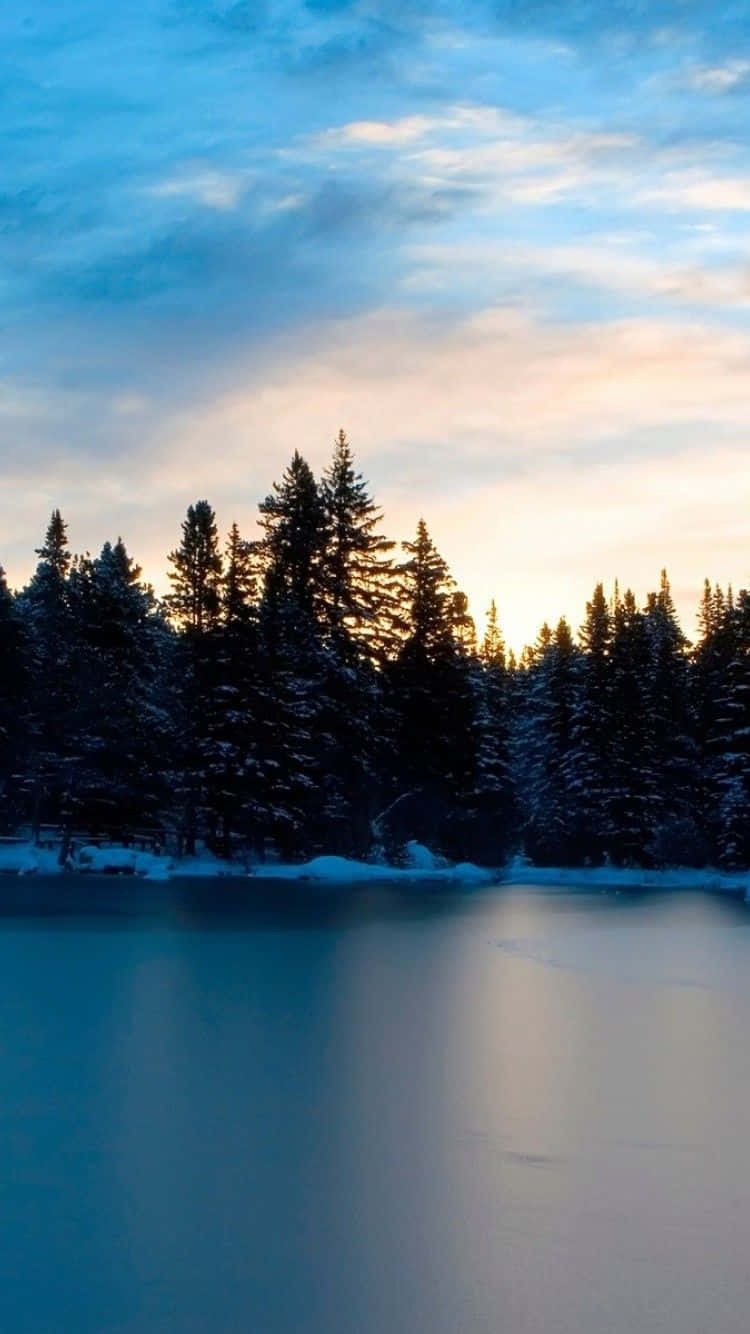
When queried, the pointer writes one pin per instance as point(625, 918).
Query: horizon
point(161, 585)
point(506, 250)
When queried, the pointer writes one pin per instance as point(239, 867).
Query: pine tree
point(431, 694)
point(493, 644)
point(45, 608)
point(359, 616)
point(121, 732)
point(729, 752)
point(494, 826)
point(634, 796)
point(238, 702)
point(194, 606)
point(589, 762)
point(196, 577)
point(546, 708)
point(13, 719)
point(292, 549)
point(293, 742)
point(671, 728)
point(359, 586)
point(711, 663)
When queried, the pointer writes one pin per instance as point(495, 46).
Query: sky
point(503, 244)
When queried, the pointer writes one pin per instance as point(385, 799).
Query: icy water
point(368, 1113)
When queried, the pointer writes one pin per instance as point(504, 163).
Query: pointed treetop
point(55, 552)
point(194, 600)
point(493, 644)
point(563, 638)
point(239, 587)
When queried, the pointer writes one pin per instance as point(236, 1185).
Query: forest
point(318, 689)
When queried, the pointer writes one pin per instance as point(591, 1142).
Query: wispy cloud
point(211, 211)
point(556, 447)
point(615, 265)
point(205, 185)
point(692, 189)
point(720, 78)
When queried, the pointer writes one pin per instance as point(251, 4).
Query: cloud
point(694, 190)
point(206, 185)
point(720, 78)
point(377, 133)
point(545, 455)
point(618, 266)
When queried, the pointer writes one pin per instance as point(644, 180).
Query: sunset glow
point(505, 248)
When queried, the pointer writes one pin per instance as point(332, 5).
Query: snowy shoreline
point(25, 859)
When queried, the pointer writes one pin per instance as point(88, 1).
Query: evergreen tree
point(712, 659)
point(729, 744)
point(431, 692)
point(13, 720)
point(293, 742)
point(194, 606)
point(291, 552)
point(545, 716)
point(494, 804)
point(671, 729)
point(634, 796)
point(121, 732)
point(239, 699)
point(45, 608)
point(493, 644)
point(196, 577)
point(589, 762)
point(359, 587)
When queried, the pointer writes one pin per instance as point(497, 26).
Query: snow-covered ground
point(26, 859)
point(340, 870)
point(520, 872)
point(421, 865)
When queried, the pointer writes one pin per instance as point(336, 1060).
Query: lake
point(376, 1112)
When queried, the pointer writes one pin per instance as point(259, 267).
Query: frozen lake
point(378, 1113)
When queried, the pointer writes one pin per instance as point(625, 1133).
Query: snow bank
point(340, 870)
point(419, 858)
point(27, 859)
point(122, 861)
point(520, 872)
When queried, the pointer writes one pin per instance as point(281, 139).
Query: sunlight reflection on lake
point(378, 1112)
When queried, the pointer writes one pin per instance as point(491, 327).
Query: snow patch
point(27, 859)
point(122, 861)
point(419, 858)
point(340, 870)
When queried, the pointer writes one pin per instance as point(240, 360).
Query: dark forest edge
point(309, 692)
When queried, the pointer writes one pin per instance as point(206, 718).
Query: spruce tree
point(45, 608)
point(730, 740)
point(634, 798)
point(495, 814)
point(431, 695)
point(13, 706)
point(546, 708)
point(359, 586)
point(235, 721)
point(196, 575)
point(121, 731)
point(493, 644)
point(589, 762)
point(293, 743)
point(671, 728)
point(194, 607)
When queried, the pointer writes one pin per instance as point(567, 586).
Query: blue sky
point(504, 245)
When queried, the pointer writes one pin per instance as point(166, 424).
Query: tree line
point(314, 690)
